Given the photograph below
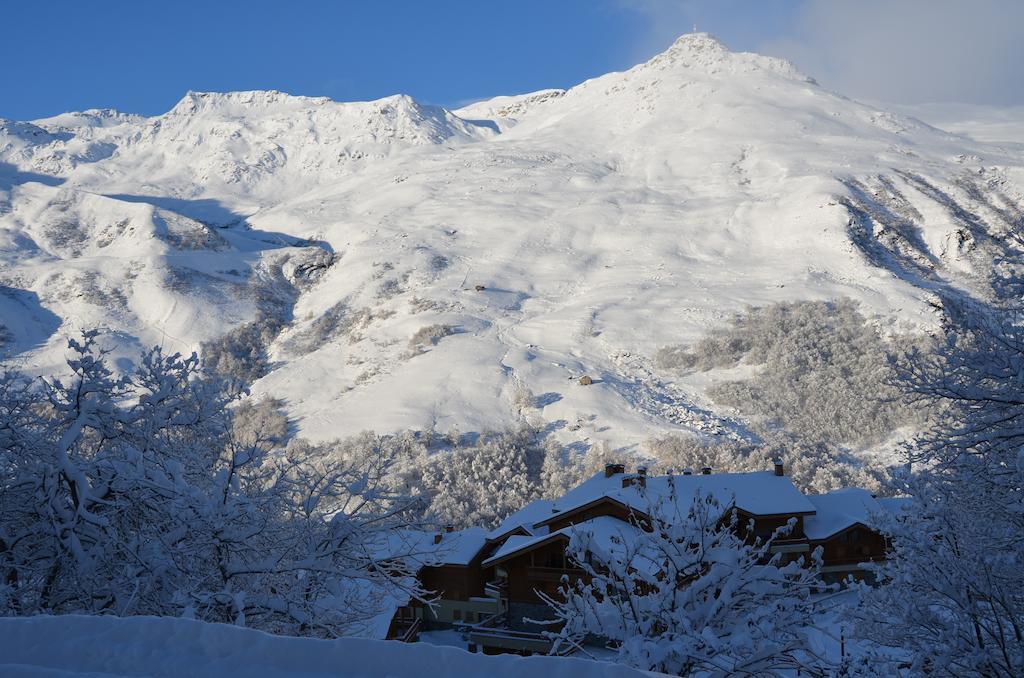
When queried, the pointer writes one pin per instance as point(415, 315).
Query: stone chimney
point(779, 468)
point(706, 470)
point(449, 528)
point(437, 538)
point(639, 479)
point(687, 472)
point(641, 470)
point(612, 469)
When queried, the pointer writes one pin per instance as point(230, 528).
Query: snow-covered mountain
point(413, 267)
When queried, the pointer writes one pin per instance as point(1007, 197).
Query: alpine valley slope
point(635, 210)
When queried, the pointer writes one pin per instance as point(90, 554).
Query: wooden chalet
point(492, 584)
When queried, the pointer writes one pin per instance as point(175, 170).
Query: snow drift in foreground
point(150, 646)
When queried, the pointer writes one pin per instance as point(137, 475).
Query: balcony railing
point(508, 639)
point(412, 634)
point(496, 589)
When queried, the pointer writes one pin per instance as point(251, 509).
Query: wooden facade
point(455, 582)
point(845, 551)
point(537, 569)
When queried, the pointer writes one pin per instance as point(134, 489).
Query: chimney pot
point(779, 468)
point(641, 470)
point(437, 538)
point(612, 469)
point(687, 472)
point(706, 470)
point(449, 528)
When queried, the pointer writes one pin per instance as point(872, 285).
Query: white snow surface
point(150, 646)
point(635, 210)
point(524, 518)
point(424, 548)
point(759, 492)
point(605, 531)
point(840, 509)
point(461, 546)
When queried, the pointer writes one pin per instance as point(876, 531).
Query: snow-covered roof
point(419, 548)
point(515, 544)
point(460, 548)
point(895, 505)
point(589, 490)
point(525, 518)
point(758, 493)
point(604, 531)
point(839, 510)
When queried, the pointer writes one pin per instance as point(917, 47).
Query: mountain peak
point(195, 101)
point(698, 43)
point(703, 51)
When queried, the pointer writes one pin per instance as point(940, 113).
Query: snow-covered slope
point(151, 646)
point(635, 210)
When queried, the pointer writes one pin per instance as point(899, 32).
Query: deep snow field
point(102, 647)
point(550, 235)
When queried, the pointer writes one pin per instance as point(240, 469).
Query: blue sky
point(142, 56)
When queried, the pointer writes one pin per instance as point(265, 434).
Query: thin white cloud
point(911, 51)
point(903, 51)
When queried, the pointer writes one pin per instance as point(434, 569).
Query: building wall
point(540, 569)
point(454, 582)
point(855, 545)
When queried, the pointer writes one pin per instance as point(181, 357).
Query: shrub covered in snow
point(952, 595)
point(148, 494)
point(241, 355)
point(429, 335)
point(320, 331)
point(824, 371)
point(483, 483)
point(472, 480)
point(689, 596)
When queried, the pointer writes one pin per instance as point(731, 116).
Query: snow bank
point(151, 646)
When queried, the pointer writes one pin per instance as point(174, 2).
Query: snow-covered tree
point(953, 588)
point(685, 593)
point(823, 371)
point(482, 484)
point(812, 466)
point(150, 494)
